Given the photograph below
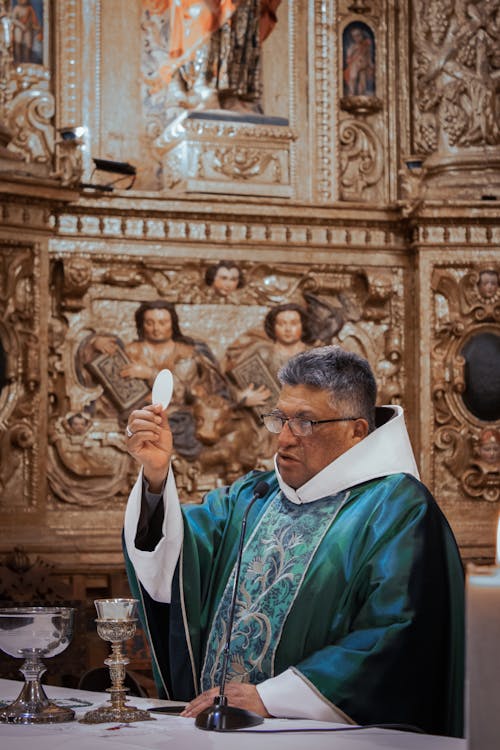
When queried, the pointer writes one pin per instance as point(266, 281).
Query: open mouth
point(286, 458)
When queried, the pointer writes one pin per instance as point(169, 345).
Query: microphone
point(221, 717)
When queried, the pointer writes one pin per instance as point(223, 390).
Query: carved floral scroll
point(465, 367)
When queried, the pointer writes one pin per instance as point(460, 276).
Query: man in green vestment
point(350, 601)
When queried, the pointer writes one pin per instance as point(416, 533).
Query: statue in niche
point(160, 344)
point(224, 279)
point(358, 46)
point(6, 71)
point(214, 53)
point(27, 20)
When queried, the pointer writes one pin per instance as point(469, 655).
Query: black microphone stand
point(221, 717)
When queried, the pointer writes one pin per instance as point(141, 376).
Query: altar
point(180, 733)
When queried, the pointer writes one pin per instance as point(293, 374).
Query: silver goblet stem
point(116, 631)
point(116, 664)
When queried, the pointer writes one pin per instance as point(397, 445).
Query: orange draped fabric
point(268, 18)
point(193, 21)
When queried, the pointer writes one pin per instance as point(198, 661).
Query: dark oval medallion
point(482, 376)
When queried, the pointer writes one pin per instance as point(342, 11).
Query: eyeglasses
point(298, 427)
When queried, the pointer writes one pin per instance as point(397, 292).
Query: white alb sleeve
point(155, 569)
point(290, 695)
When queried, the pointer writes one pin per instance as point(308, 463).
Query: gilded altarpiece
point(368, 219)
point(221, 345)
point(344, 229)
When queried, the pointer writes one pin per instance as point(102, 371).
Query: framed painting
point(30, 32)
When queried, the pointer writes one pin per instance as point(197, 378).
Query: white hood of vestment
point(386, 450)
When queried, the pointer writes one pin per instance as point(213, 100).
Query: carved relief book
point(125, 392)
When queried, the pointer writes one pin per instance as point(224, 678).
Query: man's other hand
point(238, 694)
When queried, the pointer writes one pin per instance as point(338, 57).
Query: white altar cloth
point(178, 733)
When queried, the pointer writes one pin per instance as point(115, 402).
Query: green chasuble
point(367, 606)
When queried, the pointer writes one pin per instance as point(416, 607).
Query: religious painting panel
point(361, 131)
point(30, 32)
point(20, 376)
point(223, 327)
point(358, 60)
point(466, 390)
point(26, 99)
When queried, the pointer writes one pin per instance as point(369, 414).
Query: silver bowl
point(33, 633)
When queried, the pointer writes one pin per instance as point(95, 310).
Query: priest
point(350, 599)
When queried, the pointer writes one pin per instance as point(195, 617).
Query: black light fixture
point(75, 133)
point(122, 169)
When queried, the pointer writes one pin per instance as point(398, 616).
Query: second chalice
point(34, 634)
point(116, 623)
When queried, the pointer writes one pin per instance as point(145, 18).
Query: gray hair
point(346, 376)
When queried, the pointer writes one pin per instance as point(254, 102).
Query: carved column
point(456, 64)
point(20, 378)
point(459, 362)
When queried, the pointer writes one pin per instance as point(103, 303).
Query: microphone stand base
point(226, 719)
